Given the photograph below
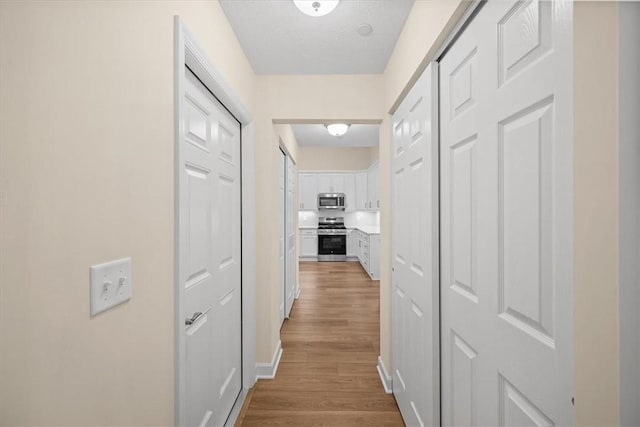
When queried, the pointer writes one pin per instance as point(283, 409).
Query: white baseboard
point(268, 370)
point(298, 292)
point(387, 381)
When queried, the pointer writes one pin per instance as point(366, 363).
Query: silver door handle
point(193, 319)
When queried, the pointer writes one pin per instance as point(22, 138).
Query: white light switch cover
point(110, 284)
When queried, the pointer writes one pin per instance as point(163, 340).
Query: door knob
point(193, 319)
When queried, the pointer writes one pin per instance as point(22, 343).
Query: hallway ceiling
point(279, 39)
point(356, 136)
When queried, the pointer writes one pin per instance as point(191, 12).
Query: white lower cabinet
point(352, 243)
point(308, 244)
point(367, 250)
point(374, 256)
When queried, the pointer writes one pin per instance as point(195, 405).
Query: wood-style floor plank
point(327, 375)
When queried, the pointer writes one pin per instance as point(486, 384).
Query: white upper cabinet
point(308, 191)
point(361, 198)
point(360, 188)
point(331, 182)
point(350, 191)
point(338, 183)
point(373, 198)
point(324, 182)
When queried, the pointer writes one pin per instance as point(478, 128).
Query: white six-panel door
point(282, 197)
point(290, 287)
point(415, 314)
point(506, 224)
point(209, 256)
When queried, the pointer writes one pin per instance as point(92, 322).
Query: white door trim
point(188, 53)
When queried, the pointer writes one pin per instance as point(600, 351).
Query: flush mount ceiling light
point(337, 129)
point(316, 7)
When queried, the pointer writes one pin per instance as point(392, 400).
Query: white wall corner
point(267, 371)
point(298, 291)
point(385, 378)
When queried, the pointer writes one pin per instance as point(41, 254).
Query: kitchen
point(338, 194)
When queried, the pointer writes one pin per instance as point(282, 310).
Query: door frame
point(187, 53)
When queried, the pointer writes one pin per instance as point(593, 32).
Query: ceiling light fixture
point(316, 7)
point(337, 129)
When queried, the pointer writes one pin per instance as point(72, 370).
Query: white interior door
point(415, 313)
point(283, 234)
point(290, 283)
point(506, 224)
point(209, 256)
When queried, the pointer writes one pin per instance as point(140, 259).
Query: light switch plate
point(110, 284)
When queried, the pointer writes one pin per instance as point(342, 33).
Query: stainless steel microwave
point(331, 201)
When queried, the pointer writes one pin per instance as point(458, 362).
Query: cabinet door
point(308, 191)
point(361, 191)
point(374, 256)
point(338, 183)
point(350, 191)
point(372, 187)
point(324, 183)
point(352, 243)
point(308, 245)
point(376, 188)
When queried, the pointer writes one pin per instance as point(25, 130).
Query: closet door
point(506, 218)
point(291, 215)
point(415, 315)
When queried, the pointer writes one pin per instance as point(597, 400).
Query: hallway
point(327, 375)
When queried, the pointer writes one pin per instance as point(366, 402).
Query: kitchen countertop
point(367, 229)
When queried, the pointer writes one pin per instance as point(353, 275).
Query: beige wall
point(335, 158)
point(424, 31)
point(374, 154)
point(596, 213)
point(86, 173)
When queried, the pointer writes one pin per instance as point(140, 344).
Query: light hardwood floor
point(327, 375)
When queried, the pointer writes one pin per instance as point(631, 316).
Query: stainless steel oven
point(332, 239)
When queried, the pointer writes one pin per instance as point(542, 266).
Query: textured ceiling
point(279, 39)
point(356, 136)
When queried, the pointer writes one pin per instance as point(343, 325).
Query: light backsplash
point(351, 219)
